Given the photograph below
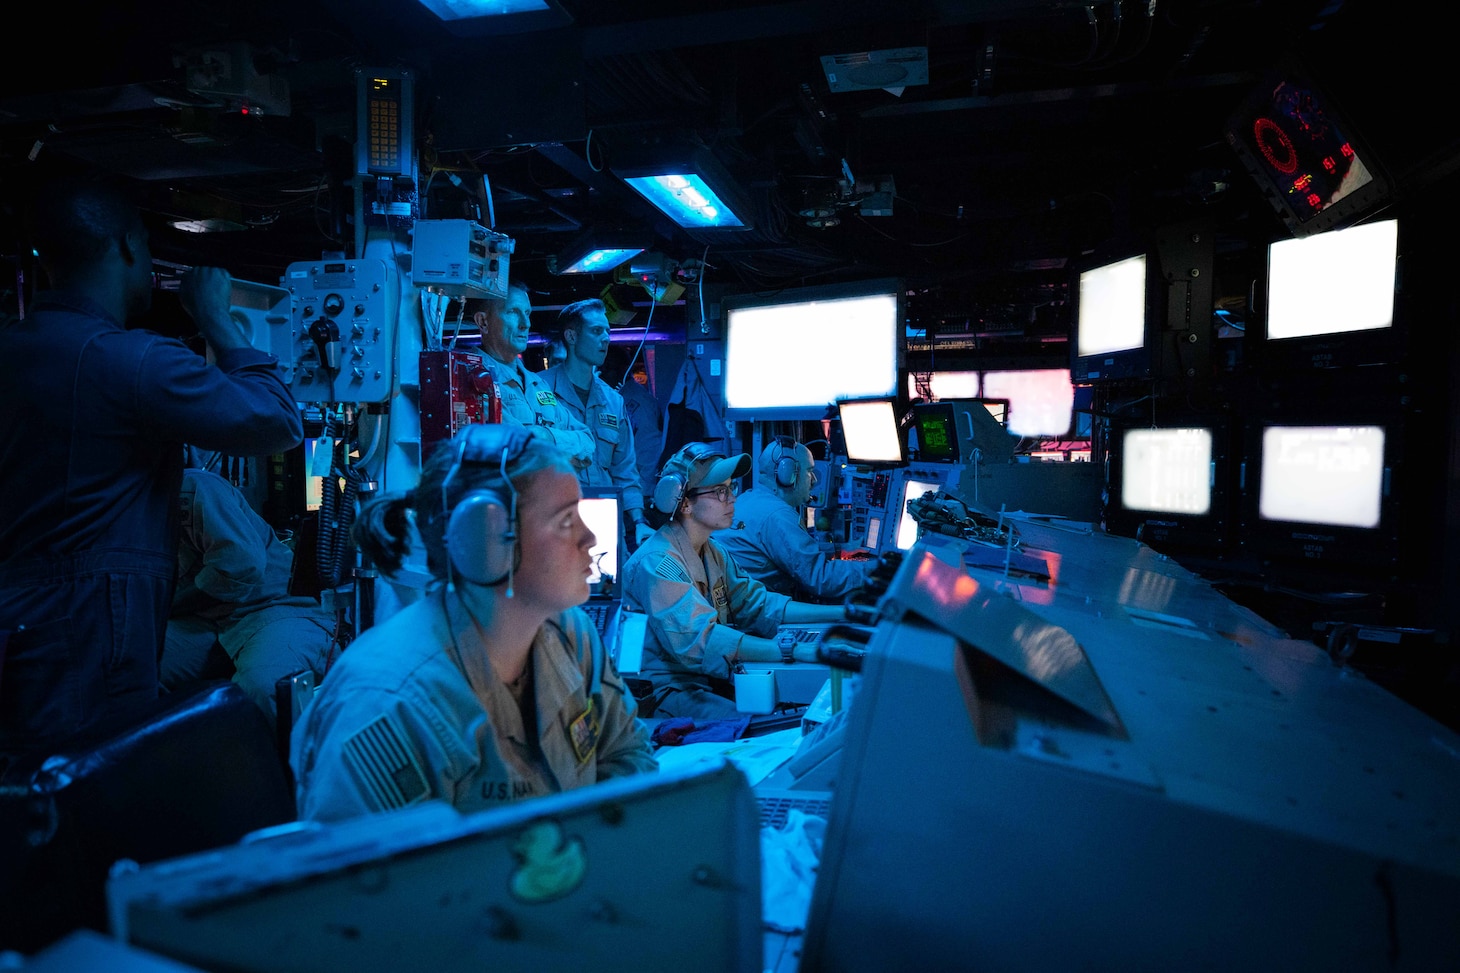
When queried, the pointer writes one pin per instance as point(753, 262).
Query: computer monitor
point(1112, 319)
point(602, 510)
point(1305, 156)
point(871, 431)
point(907, 489)
point(1169, 484)
point(1322, 492)
point(1041, 401)
point(935, 385)
point(937, 432)
point(791, 355)
point(1143, 309)
point(1329, 300)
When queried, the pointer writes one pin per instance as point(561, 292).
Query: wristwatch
point(787, 643)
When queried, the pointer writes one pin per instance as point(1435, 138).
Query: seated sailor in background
point(526, 400)
point(494, 686)
point(583, 331)
point(771, 545)
point(704, 614)
point(232, 614)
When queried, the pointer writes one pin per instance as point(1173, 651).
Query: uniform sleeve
point(567, 431)
point(553, 421)
point(225, 531)
point(357, 753)
point(753, 607)
point(681, 622)
point(240, 406)
point(790, 548)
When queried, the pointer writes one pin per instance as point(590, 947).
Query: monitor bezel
point(1133, 364)
point(1348, 349)
point(1322, 545)
point(617, 494)
point(1167, 532)
point(1358, 204)
point(899, 410)
point(810, 411)
point(950, 417)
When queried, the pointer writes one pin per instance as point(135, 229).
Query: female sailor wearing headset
point(493, 687)
point(705, 615)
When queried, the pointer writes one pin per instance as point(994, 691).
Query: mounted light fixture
point(477, 18)
point(598, 251)
point(689, 185)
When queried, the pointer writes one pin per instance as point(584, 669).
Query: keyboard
point(602, 614)
point(774, 808)
point(804, 636)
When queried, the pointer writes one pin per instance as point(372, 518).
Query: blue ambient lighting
point(596, 261)
point(685, 198)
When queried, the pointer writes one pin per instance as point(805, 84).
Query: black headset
point(481, 534)
point(788, 462)
point(674, 478)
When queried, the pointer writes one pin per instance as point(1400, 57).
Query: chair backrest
point(200, 770)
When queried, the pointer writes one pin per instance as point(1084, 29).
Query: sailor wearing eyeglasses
point(704, 614)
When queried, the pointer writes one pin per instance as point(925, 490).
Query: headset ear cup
point(787, 471)
point(479, 538)
point(668, 492)
point(788, 467)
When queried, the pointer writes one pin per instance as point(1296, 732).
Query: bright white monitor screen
point(792, 360)
point(1334, 282)
point(1112, 308)
point(935, 386)
point(1041, 400)
point(1167, 470)
point(602, 516)
point(871, 432)
point(1329, 475)
point(907, 527)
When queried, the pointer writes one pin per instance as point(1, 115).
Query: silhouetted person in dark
point(93, 418)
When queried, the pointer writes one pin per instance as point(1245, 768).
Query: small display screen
point(907, 527)
point(602, 515)
point(1167, 470)
point(937, 438)
point(1304, 153)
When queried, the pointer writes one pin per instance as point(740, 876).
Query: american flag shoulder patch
point(385, 765)
point(670, 569)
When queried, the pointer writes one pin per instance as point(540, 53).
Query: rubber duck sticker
point(550, 863)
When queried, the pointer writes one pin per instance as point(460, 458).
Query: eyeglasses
point(725, 492)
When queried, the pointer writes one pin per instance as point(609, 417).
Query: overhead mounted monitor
point(1305, 156)
point(1111, 324)
point(791, 355)
point(1329, 300)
